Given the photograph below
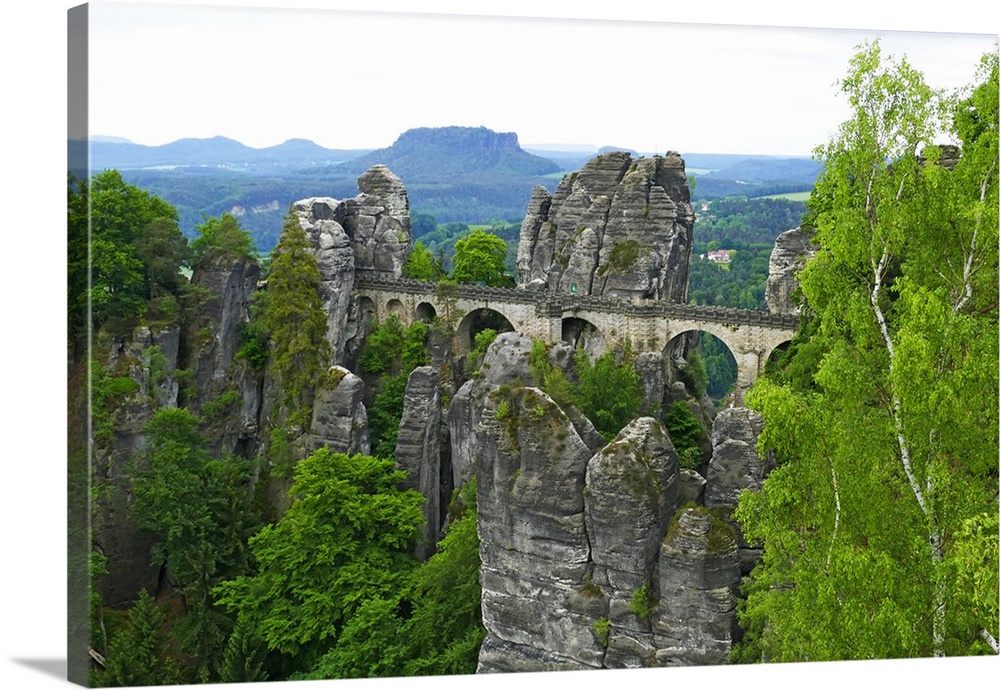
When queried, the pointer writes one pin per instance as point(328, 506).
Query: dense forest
point(878, 524)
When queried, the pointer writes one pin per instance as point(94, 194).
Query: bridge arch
point(474, 323)
point(425, 312)
point(718, 358)
point(583, 335)
point(394, 306)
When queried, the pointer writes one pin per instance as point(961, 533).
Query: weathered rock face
point(320, 218)
point(695, 622)
point(369, 233)
point(735, 466)
point(339, 417)
point(572, 539)
point(530, 473)
point(418, 450)
point(150, 359)
point(631, 494)
point(378, 223)
point(791, 251)
point(618, 227)
point(506, 362)
point(223, 388)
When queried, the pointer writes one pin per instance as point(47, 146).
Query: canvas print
point(410, 345)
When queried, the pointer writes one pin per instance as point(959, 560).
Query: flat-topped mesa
point(619, 227)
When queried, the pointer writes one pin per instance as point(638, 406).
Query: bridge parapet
point(648, 324)
point(552, 304)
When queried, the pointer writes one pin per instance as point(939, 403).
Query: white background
point(32, 318)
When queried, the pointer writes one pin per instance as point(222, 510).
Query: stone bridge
point(648, 325)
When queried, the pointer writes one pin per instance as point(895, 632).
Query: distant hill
point(454, 154)
point(750, 176)
point(456, 174)
point(216, 152)
point(792, 170)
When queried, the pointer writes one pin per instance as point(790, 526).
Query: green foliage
point(550, 379)
point(137, 654)
point(622, 257)
point(737, 222)
point(740, 284)
point(107, 392)
point(279, 453)
point(685, 432)
point(640, 603)
point(480, 258)
point(719, 365)
point(421, 264)
point(432, 626)
point(481, 343)
point(884, 415)
point(346, 539)
point(693, 374)
point(609, 393)
point(296, 322)
point(391, 352)
point(204, 543)
point(222, 239)
point(602, 628)
point(220, 406)
point(124, 243)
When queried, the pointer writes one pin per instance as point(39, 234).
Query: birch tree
point(890, 452)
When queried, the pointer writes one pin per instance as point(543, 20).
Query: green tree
point(685, 433)
point(609, 393)
point(347, 538)
point(421, 264)
point(222, 239)
point(431, 626)
point(391, 352)
point(106, 254)
point(137, 654)
point(479, 258)
point(206, 540)
point(296, 321)
point(890, 455)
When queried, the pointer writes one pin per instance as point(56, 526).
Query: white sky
point(348, 79)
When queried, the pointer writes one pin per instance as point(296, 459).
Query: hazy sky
point(359, 79)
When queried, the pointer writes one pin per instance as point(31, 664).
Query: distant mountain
point(454, 154)
point(217, 152)
point(463, 174)
point(749, 176)
point(792, 170)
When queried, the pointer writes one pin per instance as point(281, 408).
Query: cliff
point(618, 227)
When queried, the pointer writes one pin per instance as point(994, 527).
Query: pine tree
point(300, 351)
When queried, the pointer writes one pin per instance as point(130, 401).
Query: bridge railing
point(552, 304)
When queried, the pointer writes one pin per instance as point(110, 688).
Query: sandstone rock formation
point(695, 622)
point(223, 389)
point(530, 473)
point(339, 417)
point(369, 233)
point(580, 568)
point(631, 493)
point(618, 227)
point(151, 359)
point(735, 466)
point(791, 251)
point(418, 450)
